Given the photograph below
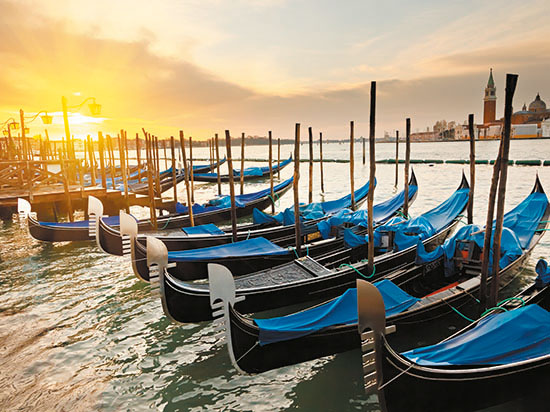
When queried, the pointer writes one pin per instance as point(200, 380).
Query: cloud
point(139, 85)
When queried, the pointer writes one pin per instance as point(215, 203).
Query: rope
point(492, 309)
point(355, 269)
point(277, 199)
point(400, 213)
point(461, 314)
point(248, 235)
point(294, 250)
point(512, 298)
point(166, 224)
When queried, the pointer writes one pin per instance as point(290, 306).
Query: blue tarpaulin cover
point(339, 311)
point(500, 339)
point(310, 211)
point(242, 200)
point(250, 171)
point(431, 222)
point(543, 272)
point(208, 229)
point(519, 226)
point(222, 202)
point(422, 227)
point(380, 213)
point(244, 248)
point(196, 208)
point(352, 239)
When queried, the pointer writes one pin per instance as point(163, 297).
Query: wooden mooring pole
point(241, 174)
point(310, 197)
point(407, 162)
point(150, 172)
point(174, 169)
point(218, 164)
point(138, 157)
point(101, 148)
point(472, 169)
point(271, 171)
point(372, 165)
point(122, 154)
point(351, 165)
point(295, 183)
point(396, 158)
point(186, 177)
point(321, 162)
point(511, 82)
point(231, 186)
point(363, 138)
point(191, 171)
point(278, 157)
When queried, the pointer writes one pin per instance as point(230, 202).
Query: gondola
point(76, 231)
point(200, 237)
point(253, 255)
point(497, 359)
point(412, 300)
point(166, 180)
point(249, 173)
point(302, 280)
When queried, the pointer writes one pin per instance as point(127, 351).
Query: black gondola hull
point(193, 304)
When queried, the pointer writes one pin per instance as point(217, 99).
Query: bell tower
point(490, 101)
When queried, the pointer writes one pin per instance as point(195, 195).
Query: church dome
point(537, 105)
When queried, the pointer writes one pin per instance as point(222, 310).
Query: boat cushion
point(503, 338)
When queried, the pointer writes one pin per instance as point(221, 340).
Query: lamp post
point(10, 124)
point(95, 109)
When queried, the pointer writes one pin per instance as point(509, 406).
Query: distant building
point(490, 101)
point(526, 123)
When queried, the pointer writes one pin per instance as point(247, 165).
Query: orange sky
point(252, 66)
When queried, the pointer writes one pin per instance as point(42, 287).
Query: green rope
point(294, 250)
point(355, 269)
point(541, 230)
point(248, 235)
point(512, 298)
point(492, 309)
point(461, 314)
point(166, 224)
point(307, 250)
point(400, 213)
point(277, 199)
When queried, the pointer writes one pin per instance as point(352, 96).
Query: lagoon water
point(78, 331)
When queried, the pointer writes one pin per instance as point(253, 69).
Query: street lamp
point(95, 109)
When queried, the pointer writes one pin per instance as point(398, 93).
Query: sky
point(204, 66)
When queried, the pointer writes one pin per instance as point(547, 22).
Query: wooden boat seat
point(448, 292)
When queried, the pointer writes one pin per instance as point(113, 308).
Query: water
point(79, 332)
